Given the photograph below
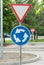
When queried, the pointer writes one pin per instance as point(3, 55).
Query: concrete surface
point(28, 48)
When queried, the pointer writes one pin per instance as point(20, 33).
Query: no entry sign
point(20, 10)
point(32, 30)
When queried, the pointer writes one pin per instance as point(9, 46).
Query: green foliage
point(9, 19)
point(34, 18)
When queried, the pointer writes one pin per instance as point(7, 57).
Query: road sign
point(20, 10)
point(32, 30)
point(20, 35)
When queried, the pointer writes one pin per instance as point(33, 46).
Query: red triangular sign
point(20, 10)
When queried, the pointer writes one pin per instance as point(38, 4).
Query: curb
point(23, 62)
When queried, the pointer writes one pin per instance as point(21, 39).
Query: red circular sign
point(32, 30)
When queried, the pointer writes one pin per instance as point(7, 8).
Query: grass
point(8, 42)
point(39, 40)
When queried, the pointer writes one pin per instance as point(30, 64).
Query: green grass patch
point(10, 41)
point(39, 40)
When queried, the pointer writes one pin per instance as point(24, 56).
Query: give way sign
point(20, 10)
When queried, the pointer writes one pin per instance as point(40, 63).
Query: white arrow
point(25, 37)
point(19, 30)
point(17, 39)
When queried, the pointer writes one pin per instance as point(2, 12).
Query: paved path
point(36, 49)
point(41, 54)
point(40, 61)
point(28, 47)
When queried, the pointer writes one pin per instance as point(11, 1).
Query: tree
point(9, 19)
point(40, 14)
point(34, 19)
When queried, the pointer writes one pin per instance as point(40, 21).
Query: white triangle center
point(20, 10)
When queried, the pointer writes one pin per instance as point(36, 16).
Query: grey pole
point(1, 28)
point(20, 55)
point(20, 51)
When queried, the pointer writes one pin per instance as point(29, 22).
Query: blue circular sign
point(20, 35)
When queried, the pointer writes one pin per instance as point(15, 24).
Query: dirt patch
point(7, 44)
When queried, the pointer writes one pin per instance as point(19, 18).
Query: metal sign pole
point(1, 28)
point(20, 51)
point(20, 55)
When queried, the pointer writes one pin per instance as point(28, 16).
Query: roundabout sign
point(20, 35)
